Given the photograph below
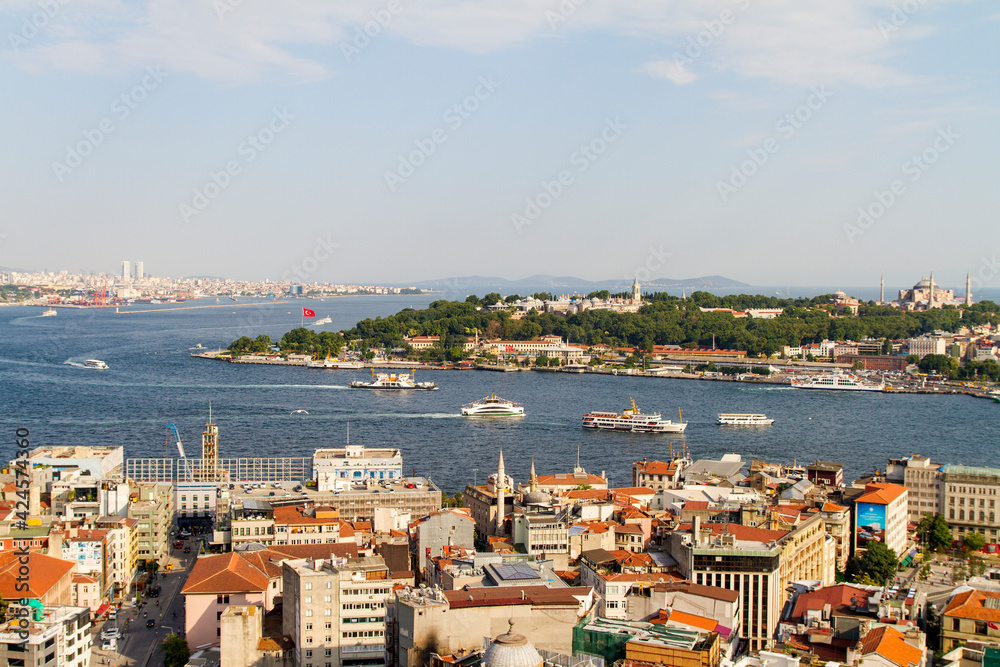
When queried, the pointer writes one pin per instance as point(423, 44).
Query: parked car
point(111, 633)
point(178, 544)
point(111, 644)
point(187, 550)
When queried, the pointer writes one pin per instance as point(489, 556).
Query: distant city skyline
point(386, 142)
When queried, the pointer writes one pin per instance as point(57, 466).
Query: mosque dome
point(840, 294)
point(536, 498)
point(923, 284)
point(511, 650)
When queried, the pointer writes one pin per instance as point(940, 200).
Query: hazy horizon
point(389, 142)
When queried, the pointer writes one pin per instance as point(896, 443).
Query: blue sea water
point(153, 381)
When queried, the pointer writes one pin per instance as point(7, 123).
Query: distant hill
point(543, 282)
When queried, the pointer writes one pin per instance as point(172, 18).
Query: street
point(139, 645)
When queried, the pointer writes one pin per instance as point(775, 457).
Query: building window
point(980, 627)
point(309, 626)
point(328, 652)
point(956, 624)
point(309, 653)
point(222, 599)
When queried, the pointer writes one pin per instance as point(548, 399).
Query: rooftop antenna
point(577, 455)
point(210, 412)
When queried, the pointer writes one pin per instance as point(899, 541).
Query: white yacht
point(633, 420)
point(325, 320)
point(837, 381)
point(94, 363)
point(493, 406)
point(737, 419)
point(392, 381)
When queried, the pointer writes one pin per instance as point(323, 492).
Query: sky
point(394, 141)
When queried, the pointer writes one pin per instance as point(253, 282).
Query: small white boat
point(738, 419)
point(94, 363)
point(325, 320)
point(51, 312)
point(493, 406)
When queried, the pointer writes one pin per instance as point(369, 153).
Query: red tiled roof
point(972, 604)
point(46, 572)
point(512, 595)
point(700, 622)
point(891, 644)
point(656, 468)
point(838, 596)
point(881, 493)
point(569, 479)
point(251, 571)
point(292, 515)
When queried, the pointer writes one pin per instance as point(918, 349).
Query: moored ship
point(392, 381)
point(493, 406)
point(739, 419)
point(334, 363)
point(837, 381)
point(633, 420)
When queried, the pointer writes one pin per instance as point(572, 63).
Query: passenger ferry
point(94, 363)
point(837, 381)
point(633, 420)
point(493, 406)
point(392, 381)
point(334, 363)
point(325, 320)
point(737, 419)
point(51, 312)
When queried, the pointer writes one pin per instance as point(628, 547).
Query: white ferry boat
point(51, 312)
point(325, 320)
point(737, 419)
point(633, 420)
point(392, 381)
point(493, 406)
point(334, 363)
point(94, 363)
point(837, 381)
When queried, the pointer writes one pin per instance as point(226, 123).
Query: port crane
point(177, 437)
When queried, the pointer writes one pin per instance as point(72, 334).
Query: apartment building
point(123, 551)
point(152, 507)
point(969, 497)
point(334, 610)
point(971, 616)
point(922, 479)
point(656, 475)
point(339, 469)
point(57, 637)
point(880, 514)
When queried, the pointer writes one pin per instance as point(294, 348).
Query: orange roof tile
point(46, 572)
point(700, 622)
point(972, 604)
point(891, 644)
point(881, 493)
point(656, 468)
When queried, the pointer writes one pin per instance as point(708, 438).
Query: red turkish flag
point(308, 313)
point(993, 625)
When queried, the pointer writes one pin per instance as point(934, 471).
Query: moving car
point(150, 623)
point(187, 550)
point(110, 645)
point(111, 633)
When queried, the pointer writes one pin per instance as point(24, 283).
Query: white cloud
point(673, 71)
point(778, 40)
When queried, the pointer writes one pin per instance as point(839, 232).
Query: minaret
point(501, 486)
point(881, 291)
point(930, 299)
point(968, 289)
point(636, 292)
point(210, 450)
point(533, 482)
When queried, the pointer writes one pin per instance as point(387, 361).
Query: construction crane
point(177, 436)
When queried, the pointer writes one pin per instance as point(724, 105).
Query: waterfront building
point(826, 473)
point(58, 636)
point(339, 469)
point(195, 503)
point(876, 362)
point(334, 609)
point(426, 621)
point(921, 346)
point(971, 616)
point(880, 513)
point(422, 342)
